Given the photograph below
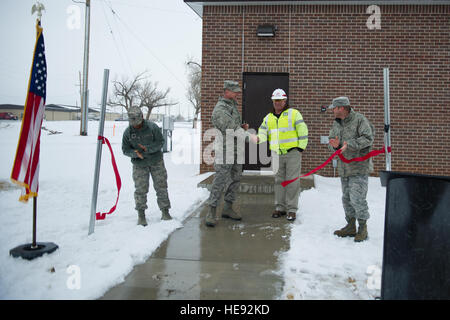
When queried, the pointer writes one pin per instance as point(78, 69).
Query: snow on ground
point(104, 258)
point(318, 265)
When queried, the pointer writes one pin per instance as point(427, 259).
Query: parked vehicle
point(7, 116)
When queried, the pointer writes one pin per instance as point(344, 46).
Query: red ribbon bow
point(98, 215)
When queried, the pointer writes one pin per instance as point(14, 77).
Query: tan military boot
point(362, 231)
point(229, 213)
point(349, 230)
point(141, 218)
point(210, 220)
point(165, 214)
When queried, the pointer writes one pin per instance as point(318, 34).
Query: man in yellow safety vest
point(287, 135)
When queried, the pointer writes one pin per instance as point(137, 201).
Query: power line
point(115, 43)
point(151, 8)
point(120, 38)
point(145, 45)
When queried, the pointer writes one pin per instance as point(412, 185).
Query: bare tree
point(194, 87)
point(139, 92)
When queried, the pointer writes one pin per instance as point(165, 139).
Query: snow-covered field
point(318, 265)
point(104, 258)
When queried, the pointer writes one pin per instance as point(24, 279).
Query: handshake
point(252, 137)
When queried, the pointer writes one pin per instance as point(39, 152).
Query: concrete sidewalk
point(235, 260)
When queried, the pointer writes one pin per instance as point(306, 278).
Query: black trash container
point(416, 252)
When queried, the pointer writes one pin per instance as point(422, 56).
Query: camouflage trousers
point(354, 192)
point(225, 173)
point(141, 176)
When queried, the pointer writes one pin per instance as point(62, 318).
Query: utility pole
point(85, 90)
point(80, 85)
point(79, 91)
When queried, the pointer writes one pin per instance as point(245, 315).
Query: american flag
point(25, 170)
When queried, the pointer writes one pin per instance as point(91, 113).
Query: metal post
point(387, 119)
point(84, 101)
point(101, 127)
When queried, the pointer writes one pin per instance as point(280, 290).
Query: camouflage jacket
point(359, 134)
point(150, 136)
point(227, 120)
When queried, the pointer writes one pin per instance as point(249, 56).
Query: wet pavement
point(235, 260)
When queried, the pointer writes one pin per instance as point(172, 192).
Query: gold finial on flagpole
point(38, 7)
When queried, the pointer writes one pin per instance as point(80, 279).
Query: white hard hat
point(279, 94)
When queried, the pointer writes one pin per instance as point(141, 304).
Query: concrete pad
point(234, 260)
point(258, 183)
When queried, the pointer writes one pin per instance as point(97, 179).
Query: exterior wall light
point(266, 30)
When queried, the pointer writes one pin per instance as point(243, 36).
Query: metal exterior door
point(256, 104)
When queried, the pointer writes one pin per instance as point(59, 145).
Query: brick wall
point(328, 51)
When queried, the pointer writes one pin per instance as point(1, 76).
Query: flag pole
point(38, 7)
point(35, 249)
point(33, 244)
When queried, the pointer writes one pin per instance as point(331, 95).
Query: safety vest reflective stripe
point(288, 140)
point(263, 133)
point(283, 131)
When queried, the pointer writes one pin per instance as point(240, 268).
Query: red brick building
point(325, 49)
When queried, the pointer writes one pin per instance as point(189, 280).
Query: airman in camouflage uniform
point(354, 134)
point(142, 142)
point(227, 120)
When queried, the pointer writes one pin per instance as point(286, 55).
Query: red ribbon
point(372, 153)
point(98, 215)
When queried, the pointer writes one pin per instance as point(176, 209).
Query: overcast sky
point(153, 35)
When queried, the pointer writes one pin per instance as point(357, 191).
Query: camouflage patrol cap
point(231, 85)
point(339, 102)
point(135, 116)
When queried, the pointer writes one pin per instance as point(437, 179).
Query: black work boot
point(141, 218)
point(349, 230)
point(210, 220)
point(165, 214)
point(229, 213)
point(362, 231)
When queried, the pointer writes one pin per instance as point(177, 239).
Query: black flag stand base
point(35, 249)
point(29, 251)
